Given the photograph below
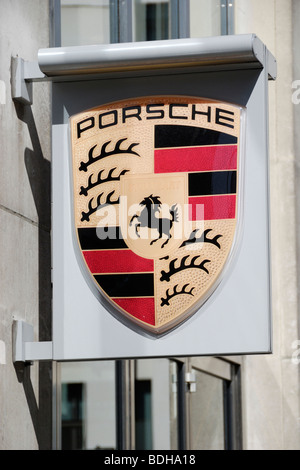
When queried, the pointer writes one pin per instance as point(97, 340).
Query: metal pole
point(182, 407)
point(125, 415)
point(120, 21)
point(180, 19)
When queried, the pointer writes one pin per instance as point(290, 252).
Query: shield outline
point(121, 314)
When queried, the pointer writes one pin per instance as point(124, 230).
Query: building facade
point(245, 402)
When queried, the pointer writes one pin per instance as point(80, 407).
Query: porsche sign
point(156, 191)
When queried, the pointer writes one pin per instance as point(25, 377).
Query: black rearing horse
point(148, 218)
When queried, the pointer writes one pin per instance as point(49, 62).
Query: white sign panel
point(160, 216)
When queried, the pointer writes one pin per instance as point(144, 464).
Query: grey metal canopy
point(236, 51)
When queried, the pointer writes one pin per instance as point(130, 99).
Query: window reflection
point(207, 413)
point(156, 404)
point(84, 22)
point(143, 415)
point(151, 20)
point(88, 405)
point(205, 18)
point(72, 424)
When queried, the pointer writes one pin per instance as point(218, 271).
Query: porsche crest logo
point(155, 190)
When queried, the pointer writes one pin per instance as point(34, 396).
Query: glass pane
point(205, 18)
point(84, 22)
point(88, 405)
point(156, 409)
point(151, 20)
point(143, 415)
point(207, 413)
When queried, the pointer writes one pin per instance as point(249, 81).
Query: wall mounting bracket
point(25, 349)
point(24, 73)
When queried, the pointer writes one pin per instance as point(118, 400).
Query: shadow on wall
point(39, 175)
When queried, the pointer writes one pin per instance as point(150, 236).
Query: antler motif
point(165, 301)
point(104, 153)
point(203, 238)
point(86, 215)
point(183, 265)
point(84, 190)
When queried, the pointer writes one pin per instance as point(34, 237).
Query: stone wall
point(271, 383)
point(25, 284)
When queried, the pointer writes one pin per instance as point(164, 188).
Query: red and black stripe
point(128, 279)
point(210, 159)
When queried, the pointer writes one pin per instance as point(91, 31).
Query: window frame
point(228, 369)
point(121, 20)
point(227, 17)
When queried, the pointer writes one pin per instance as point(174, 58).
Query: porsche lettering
point(182, 111)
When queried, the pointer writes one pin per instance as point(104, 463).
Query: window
point(143, 415)
point(84, 22)
point(160, 404)
point(87, 401)
point(214, 404)
point(151, 20)
point(207, 417)
point(154, 402)
point(72, 432)
point(105, 21)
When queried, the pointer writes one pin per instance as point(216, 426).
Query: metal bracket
point(23, 74)
point(27, 350)
point(190, 379)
